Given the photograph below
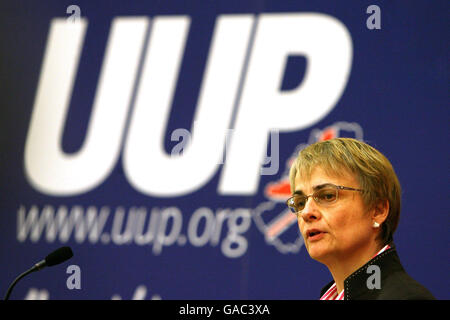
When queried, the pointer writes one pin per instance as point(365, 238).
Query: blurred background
point(154, 139)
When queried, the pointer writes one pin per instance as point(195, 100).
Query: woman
point(346, 196)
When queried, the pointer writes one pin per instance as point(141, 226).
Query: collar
point(355, 286)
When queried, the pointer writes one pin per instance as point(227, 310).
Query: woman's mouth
point(314, 234)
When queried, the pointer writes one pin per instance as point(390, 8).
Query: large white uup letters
point(260, 105)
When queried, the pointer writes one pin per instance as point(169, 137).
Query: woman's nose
point(311, 210)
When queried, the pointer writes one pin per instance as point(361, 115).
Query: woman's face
point(345, 226)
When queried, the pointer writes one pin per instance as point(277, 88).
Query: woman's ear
point(380, 211)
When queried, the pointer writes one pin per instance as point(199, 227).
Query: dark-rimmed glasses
point(326, 195)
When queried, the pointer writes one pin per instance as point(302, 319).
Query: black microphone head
point(58, 256)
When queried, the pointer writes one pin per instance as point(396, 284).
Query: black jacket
point(394, 284)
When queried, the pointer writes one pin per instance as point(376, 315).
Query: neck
point(342, 266)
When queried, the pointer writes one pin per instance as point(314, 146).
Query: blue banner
point(155, 138)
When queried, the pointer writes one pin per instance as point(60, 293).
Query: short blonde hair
point(372, 169)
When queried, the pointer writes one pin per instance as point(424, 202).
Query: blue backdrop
point(97, 111)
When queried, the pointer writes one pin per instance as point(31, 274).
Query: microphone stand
point(8, 293)
point(56, 257)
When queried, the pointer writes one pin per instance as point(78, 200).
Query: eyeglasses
point(325, 196)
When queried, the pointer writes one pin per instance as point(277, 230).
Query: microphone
point(56, 257)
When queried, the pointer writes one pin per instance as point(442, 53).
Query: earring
point(376, 224)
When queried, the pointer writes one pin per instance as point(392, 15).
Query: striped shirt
point(332, 293)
